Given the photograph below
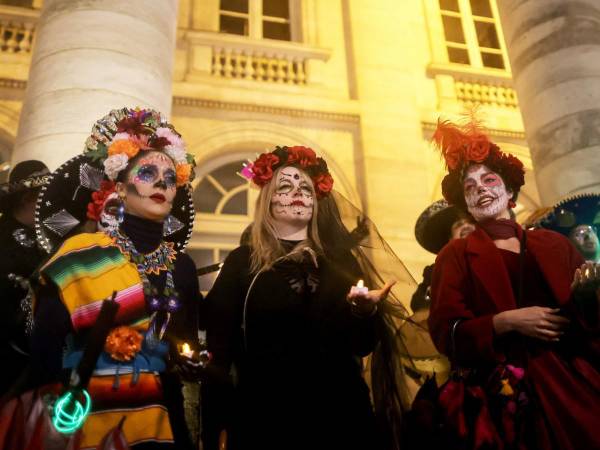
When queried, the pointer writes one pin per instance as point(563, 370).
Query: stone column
point(91, 56)
point(554, 49)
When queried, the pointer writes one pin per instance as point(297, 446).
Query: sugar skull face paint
point(293, 199)
point(110, 212)
point(485, 193)
point(151, 187)
point(150, 173)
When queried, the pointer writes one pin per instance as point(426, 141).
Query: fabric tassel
point(506, 388)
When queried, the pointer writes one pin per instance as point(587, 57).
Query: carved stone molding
point(265, 109)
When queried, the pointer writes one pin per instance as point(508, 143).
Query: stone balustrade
point(17, 27)
point(238, 57)
point(469, 86)
point(499, 95)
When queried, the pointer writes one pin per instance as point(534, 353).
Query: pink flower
point(517, 372)
point(171, 136)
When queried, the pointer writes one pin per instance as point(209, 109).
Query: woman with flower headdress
point(136, 159)
point(519, 309)
point(284, 321)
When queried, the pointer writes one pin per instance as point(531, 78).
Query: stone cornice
point(232, 106)
point(265, 109)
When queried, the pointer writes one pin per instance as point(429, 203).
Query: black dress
point(296, 351)
point(53, 324)
point(20, 257)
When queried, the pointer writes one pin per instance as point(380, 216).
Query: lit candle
point(186, 350)
point(359, 289)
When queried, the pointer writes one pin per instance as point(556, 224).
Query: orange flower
point(183, 173)
point(123, 146)
point(123, 343)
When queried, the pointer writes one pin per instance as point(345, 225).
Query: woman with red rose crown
point(287, 325)
point(517, 310)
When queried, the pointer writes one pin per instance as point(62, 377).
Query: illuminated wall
point(362, 82)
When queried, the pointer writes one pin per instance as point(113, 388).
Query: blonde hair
point(264, 241)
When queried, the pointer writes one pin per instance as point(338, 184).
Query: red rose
point(478, 150)
point(94, 208)
point(263, 168)
point(303, 156)
point(323, 184)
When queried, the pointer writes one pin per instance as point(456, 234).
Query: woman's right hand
point(534, 321)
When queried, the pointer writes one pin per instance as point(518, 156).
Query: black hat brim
point(62, 205)
point(435, 233)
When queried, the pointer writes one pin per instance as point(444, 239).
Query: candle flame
point(185, 348)
point(360, 284)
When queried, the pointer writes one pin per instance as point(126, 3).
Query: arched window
point(224, 203)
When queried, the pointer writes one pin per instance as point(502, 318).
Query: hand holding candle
point(363, 301)
point(359, 289)
point(186, 351)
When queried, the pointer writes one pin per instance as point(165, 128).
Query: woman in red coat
point(520, 305)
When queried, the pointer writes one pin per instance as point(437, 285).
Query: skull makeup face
point(586, 240)
point(485, 193)
point(293, 199)
point(151, 187)
point(110, 212)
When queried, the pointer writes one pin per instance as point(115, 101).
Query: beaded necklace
point(161, 259)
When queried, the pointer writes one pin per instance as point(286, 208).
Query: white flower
point(120, 137)
point(114, 164)
point(177, 154)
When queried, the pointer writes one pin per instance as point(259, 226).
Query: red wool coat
point(471, 282)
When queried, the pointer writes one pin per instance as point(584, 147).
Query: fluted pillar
point(554, 49)
point(91, 56)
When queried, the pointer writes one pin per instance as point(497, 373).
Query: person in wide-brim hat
point(20, 257)
point(26, 177)
point(434, 227)
point(578, 218)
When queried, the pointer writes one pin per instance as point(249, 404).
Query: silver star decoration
point(48, 203)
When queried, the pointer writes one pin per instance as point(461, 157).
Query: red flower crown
point(262, 169)
point(462, 146)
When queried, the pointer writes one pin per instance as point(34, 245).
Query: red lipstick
point(158, 198)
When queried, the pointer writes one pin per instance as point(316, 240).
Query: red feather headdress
point(467, 144)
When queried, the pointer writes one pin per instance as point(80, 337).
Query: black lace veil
point(343, 229)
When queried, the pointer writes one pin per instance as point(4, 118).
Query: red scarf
point(501, 229)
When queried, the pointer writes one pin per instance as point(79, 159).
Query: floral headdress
point(120, 136)
point(464, 145)
point(261, 171)
point(123, 133)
